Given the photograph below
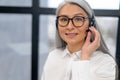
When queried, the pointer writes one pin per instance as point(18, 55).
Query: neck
point(74, 48)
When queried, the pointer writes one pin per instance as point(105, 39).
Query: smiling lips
point(71, 35)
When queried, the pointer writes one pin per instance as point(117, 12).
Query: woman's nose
point(70, 25)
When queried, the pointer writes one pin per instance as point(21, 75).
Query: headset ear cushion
point(92, 22)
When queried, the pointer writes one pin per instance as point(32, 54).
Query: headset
point(91, 22)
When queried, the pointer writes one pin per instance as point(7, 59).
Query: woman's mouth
point(71, 35)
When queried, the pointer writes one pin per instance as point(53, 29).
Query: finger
point(95, 33)
point(88, 37)
point(96, 36)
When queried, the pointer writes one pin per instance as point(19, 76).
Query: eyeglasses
point(77, 21)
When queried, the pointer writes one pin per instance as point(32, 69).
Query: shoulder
point(104, 64)
point(102, 57)
point(53, 57)
point(56, 52)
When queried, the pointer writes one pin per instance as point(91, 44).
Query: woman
point(81, 53)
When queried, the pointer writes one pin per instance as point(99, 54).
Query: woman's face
point(70, 34)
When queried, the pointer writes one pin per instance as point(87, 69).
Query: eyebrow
point(79, 14)
point(73, 15)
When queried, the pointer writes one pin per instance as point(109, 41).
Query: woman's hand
point(89, 47)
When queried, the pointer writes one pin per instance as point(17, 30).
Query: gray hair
point(85, 6)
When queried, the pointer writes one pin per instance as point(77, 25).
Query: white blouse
point(61, 65)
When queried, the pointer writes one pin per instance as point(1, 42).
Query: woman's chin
point(72, 43)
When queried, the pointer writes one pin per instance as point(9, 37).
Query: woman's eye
point(78, 19)
point(63, 19)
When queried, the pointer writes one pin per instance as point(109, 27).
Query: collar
point(67, 53)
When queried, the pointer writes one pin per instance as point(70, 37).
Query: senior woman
point(81, 53)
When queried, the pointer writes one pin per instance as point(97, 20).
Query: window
point(104, 4)
point(27, 29)
point(47, 38)
point(95, 4)
point(109, 33)
point(19, 3)
point(15, 46)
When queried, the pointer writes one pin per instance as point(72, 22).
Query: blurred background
point(27, 34)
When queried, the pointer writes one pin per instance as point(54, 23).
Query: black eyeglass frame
point(83, 17)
